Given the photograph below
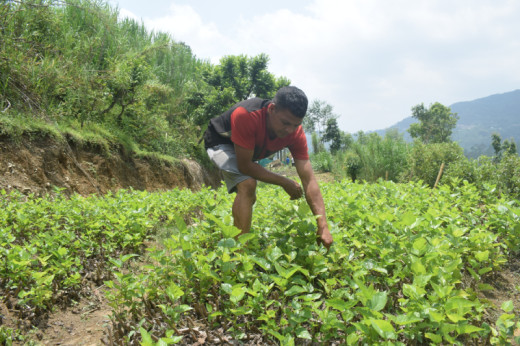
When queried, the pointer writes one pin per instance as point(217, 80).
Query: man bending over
point(254, 129)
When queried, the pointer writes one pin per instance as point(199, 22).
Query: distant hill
point(478, 120)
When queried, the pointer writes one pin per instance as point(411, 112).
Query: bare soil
point(39, 166)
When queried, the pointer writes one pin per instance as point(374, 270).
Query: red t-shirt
point(249, 130)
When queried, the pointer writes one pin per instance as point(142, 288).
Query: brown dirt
point(40, 165)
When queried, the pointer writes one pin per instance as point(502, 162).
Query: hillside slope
point(39, 166)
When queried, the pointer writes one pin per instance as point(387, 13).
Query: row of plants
point(409, 265)
point(52, 247)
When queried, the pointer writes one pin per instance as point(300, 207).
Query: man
point(254, 129)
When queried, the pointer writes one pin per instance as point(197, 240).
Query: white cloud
point(370, 59)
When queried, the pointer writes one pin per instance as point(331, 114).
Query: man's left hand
point(324, 237)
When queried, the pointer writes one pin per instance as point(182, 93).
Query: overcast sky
point(372, 60)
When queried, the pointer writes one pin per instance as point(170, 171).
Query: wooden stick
point(439, 175)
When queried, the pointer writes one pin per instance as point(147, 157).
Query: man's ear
point(271, 107)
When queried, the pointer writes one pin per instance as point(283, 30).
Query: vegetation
point(435, 123)
point(407, 265)
point(71, 68)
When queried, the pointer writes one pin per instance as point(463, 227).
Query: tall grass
point(74, 61)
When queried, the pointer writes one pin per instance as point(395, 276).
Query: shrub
point(425, 160)
point(322, 161)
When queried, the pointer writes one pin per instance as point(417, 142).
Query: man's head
point(293, 99)
point(286, 112)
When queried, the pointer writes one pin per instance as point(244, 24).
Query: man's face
point(281, 121)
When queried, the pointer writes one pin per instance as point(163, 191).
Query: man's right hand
point(293, 189)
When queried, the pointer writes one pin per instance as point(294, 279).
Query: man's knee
point(247, 189)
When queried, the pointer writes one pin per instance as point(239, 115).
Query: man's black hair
point(293, 99)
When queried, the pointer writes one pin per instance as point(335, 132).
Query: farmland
point(410, 265)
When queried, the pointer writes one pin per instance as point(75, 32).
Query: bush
point(322, 161)
point(504, 174)
point(382, 156)
point(425, 160)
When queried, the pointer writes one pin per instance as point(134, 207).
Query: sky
point(371, 60)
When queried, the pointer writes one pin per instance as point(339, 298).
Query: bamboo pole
point(439, 175)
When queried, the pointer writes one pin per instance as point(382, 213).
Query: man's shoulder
point(253, 104)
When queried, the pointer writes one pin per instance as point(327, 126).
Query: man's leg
point(243, 204)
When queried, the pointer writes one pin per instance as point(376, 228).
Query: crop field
point(409, 265)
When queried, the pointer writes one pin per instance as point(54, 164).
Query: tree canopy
point(436, 123)
point(234, 79)
point(318, 113)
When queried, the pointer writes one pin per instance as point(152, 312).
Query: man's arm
point(248, 167)
point(315, 200)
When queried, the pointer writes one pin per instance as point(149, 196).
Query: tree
point(496, 142)
point(317, 116)
point(235, 79)
point(502, 148)
point(435, 125)
point(333, 135)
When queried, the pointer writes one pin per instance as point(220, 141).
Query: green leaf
point(455, 317)
point(262, 262)
point(418, 268)
point(244, 238)
point(146, 338)
point(482, 256)
point(434, 337)
point(413, 291)
point(274, 254)
point(378, 301)
point(237, 294)
point(420, 244)
point(303, 333)
point(227, 243)
point(227, 288)
point(286, 273)
point(460, 304)
point(408, 219)
point(436, 316)
point(507, 306)
point(442, 290)
point(384, 328)
point(485, 270)
point(295, 290)
point(174, 292)
point(407, 319)
point(340, 304)
point(468, 329)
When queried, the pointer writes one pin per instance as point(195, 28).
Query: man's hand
point(324, 237)
point(293, 189)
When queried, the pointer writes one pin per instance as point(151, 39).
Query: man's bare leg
point(243, 204)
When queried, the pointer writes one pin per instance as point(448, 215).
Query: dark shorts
point(223, 155)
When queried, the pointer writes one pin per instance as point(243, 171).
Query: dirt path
point(84, 323)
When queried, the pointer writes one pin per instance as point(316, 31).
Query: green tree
point(496, 142)
point(318, 114)
point(435, 125)
point(235, 79)
point(508, 147)
point(333, 135)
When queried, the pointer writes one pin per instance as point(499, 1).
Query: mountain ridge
point(478, 120)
